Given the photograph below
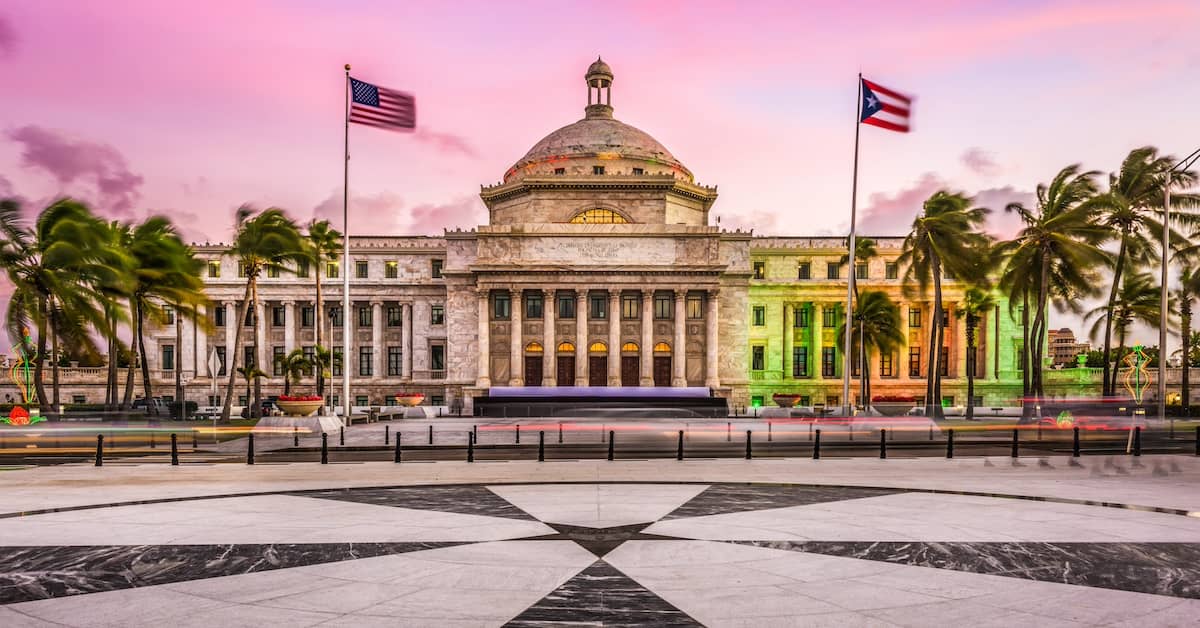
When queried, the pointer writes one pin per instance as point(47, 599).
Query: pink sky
point(192, 109)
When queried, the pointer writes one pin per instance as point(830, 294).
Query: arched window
point(598, 347)
point(566, 347)
point(598, 217)
point(534, 347)
point(630, 347)
point(662, 347)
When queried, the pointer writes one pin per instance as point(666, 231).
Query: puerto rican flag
point(885, 108)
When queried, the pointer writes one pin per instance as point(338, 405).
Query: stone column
point(200, 359)
point(818, 335)
point(516, 355)
point(647, 348)
point(712, 378)
point(902, 359)
point(959, 350)
point(614, 337)
point(679, 351)
point(263, 356)
point(549, 343)
point(484, 379)
point(406, 338)
point(581, 338)
point(788, 336)
point(231, 323)
point(289, 326)
point(376, 339)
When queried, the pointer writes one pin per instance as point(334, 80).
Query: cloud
point(446, 143)
point(1002, 224)
point(6, 188)
point(893, 214)
point(70, 161)
point(761, 222)
point(466, 212)
point(8, 37)
point(386, 213)
point(980, 162)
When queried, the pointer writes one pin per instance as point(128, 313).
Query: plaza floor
point(847, 542)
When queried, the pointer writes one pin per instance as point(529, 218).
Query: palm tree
point(114, 313)
point(876, 323)
point(263, 241)
point(1189, 287)
point(295, 366)
point(322, 243)
point(946, 240)
point(251, 373)
point(976, 303)
point(1138, 301)
point(1056, 255)
point(1133, 210)
point(864, 250)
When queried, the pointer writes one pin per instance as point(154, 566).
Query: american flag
point(885, 108)
point(382, 107)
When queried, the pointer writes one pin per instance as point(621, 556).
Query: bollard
point(768, 431)
point(541, 446)
point(324, 448)
point(817, 446)
point(748, 452)
point(1039, 435)
point(152, 444)
point(430, 434)
point(342, 436)
point(610, 445)
point(470, 449)
point(396, 457)
point(810, 429)
point(250, 448)
point(931, 431)
point(1198, 440)
point(193, 440)
point(560, 433)
point(474, 434)
point(728, 432)
point(518, 426)
point(882, 444)
point(1075, 443)
point(174, 451)
point(679, 448)
point(99, 450)
point(386, 434)
point(295, 437)
point(1015, 442)
point(1137, 440)
point(950, 443)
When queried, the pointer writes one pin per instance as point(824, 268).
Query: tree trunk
point(971, 322)
point(110, 378)
point(256, 412)
point(147, 386)
point(1110, 389)
point(39, 369)
point(933, 399)
point(1185, 308)
point(55, 387)
point(180, 395)
point(1039, 330)
point(129, 369)
point(319, 322)
point(232, 357)
point(1026, 409)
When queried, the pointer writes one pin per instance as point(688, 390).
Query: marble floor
point(600, 553)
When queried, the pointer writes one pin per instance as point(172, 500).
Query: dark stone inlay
point(41, 572)
point(1158, 568)
point(720, 499)
point(463, 500)
point(601, 596)
point(600, 541)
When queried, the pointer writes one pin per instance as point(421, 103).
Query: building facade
point(598, 266)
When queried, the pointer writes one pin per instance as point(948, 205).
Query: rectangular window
point(799, 361)
point(437, 400)
point(365, 316)
point(860, 271)
point(637, 172)
point(944, 361)
point(332, 270)
point(310, 354)
point(801, 317)
point(277, 356)
point(168, 315)
point(395, 362)
point(855, 364)
point(308, 316)
point(597, 169)
point(435, 268)
point(437, 315)
point(501, 306)
point(760, 315)
point(273, 271)
point(278, 316)
point(805, 400)
point(662, 307)
point(393, 316)
point(241, 269)
point(914, 317)
point(833, 401)
point(391, 269)
point(336, 366)
point(887, 367)
point(560, 171)
point(891, 270)
point(168, 357)
point(914, 361)
point(833, 270)
point(631, 307)
point(302, 269)
point(598, 306)
point(760, 270)
point(804, 271)
point(242, 401)
point(219, 315)
point(361, 400)
point(534, 304)
point(250, 318)
point(221, 360)
point(695, 306)
point(758, 359)
point(365, 359)
point(360, 269)
point(249, 356)
point(566, 306)
point(437, 357)
point(829, 318)
point(335, 316)
point(214, 269)
point(828, 362)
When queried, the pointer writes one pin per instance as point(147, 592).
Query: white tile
point(599, 505)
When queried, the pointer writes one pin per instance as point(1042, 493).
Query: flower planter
point(410, 400)
point(785, 401)
point(892, 408)
point(300, 408)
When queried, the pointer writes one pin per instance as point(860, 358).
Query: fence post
point(541, 446)
point(950, 443)
point(610, 445)
point(748, 452)
point(1075, 442)
point(174, 450)
point(1137, 440)
point(342, 436)
point(470, 448)
point(518, 426)
point(882, 443)
point(295, 436)
point(324, 448)
point(560, 432)
point(1015, 442)
point(386, 434)
point(474, 434)
point(152, 443)
point(430, 434)
point(99, 450)
point(817, 446)
point(396, 457)
point(728, 431)
point(1198, 440)
point(679, 448)
point(810, 431)
point(768, 431)
point(250, 448)
point(193, 440)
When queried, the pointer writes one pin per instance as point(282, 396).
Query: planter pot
point(785, 400)
point(410, 400)
point(892, 408)
point(299, 408)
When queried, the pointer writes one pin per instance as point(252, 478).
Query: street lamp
point(1183, 164)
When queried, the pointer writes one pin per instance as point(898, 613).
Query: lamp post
point(1183, 164)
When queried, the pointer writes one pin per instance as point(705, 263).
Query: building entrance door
point(630, 367)
point(533, 370)
point(662, 370)
point(598, 370)
point(566, 370)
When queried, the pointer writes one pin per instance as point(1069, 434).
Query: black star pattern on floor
point(600, 541)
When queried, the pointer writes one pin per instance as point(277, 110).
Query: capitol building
point(600, 265)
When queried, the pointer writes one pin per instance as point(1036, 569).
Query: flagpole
point(848, 405)
point(345, 262)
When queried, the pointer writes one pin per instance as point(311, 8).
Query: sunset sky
point(193, 108)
